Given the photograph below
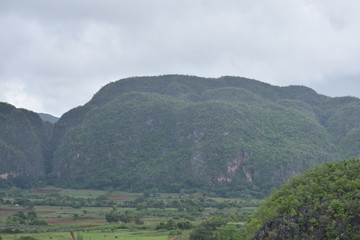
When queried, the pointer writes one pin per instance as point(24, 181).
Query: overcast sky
point(55, 54)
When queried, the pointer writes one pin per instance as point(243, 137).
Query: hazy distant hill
point(176, 132)
point(48, 117)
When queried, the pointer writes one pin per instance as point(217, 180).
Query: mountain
point(227, 135)
point(23, 142)
point(323, 203)
point(48, 118)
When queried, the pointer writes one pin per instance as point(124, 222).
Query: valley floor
point(93, 214)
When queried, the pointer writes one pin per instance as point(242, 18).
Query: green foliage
point(231, 136)
point(178, 216)
point(38, 222)
point(27, 238)
point(172, 225)
point(21, 218)
point(31, 215)
point(18, 218)
point(228, 232)
point(320, 204)
point(125, 217)
point(227, 136)
point(23, 146)
point(207, 230)
point(175, 232)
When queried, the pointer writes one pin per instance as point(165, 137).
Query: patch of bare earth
point(13, 210)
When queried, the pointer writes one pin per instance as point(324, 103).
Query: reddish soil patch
point(25, 210)
point(13, 210)
point(45, 191)
point(122, 197)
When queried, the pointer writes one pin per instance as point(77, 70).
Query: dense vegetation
point(30, 218)
point(230, 136)
point(320, 204)
point(227, 136)
point(24, 139)
point(53, 213)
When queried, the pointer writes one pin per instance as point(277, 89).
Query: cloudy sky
point(55, 54)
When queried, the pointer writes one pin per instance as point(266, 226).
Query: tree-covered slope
point(172, 132)
point(23, 142)
point(321, 204)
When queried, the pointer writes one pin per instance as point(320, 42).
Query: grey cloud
point(59, 53)
point(339, 85)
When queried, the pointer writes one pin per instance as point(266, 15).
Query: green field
point(94, 235)
point(86, 213)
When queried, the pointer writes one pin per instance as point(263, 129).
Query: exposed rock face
point(248, 174)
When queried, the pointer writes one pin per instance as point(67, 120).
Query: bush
point(27, 238)
point(11, 230)
point(38, 222)
point(175, 232)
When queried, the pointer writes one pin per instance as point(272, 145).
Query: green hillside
point(229, 135)
point(23, 142)
point(321, 204)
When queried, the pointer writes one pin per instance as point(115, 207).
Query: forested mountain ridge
point(174, 132)
point(23, 142)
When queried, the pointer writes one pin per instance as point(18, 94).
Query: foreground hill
point(23, 142)
point(177, 132)
point(321, 204)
